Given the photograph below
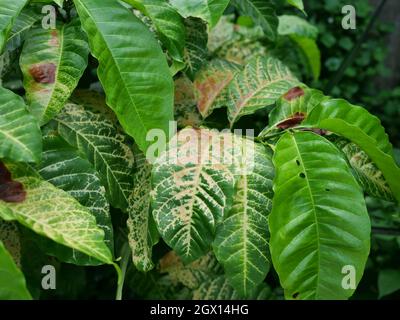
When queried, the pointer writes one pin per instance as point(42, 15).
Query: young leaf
point(96, 137)
point(241, 240)
point(9, 11)
point(208, 10)
point(263, 14)
point(140, 239)
point(20, 136)
point(132, 67)
point(359, 126)
point(210, 84)
point(52, 62)
point(191, 192)
point(12, 281)
point(259, 85)
point(55, 214)
point(64, 168)
point(168, 22)
point(319, 222)
point(366, 172)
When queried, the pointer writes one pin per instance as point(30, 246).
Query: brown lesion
point(43, 72)
point(10, 191)
point(293, 121)
point(293, 93)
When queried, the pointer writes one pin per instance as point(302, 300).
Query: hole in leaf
point(297, 162)
point(295, 295)
point(327, 189)
point(302, 175)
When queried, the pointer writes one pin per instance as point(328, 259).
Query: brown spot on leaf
point(54, 42)
point(43, 73)
point(293, 93)
point(10, 191)
point(293, 121)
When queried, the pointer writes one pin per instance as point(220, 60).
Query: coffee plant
point(97, 181)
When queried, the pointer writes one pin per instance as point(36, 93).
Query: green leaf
point(168, 22)
point(10, 236)
point(310, 53)
point(388, 282)
point(241, 240)
point(294, 25)
point(53, 213)
point(210, 84)
point(52, 62)
point(132, 67)
point(263, 14)
point(359, 126)
point(12, 281)
point(208, 10)
point(319, 222)
point(365, 171)
point(298, 4)
point(292, 108)
point(259, 85)
point(192, 189)
point(64, 168)
point(139, 224)
point(20, 136)
point(9, 11)
point(98, 139)
point(23, 23)
point(196, 46)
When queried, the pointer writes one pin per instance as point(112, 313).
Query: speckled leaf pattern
point(360, 127)
point(52, 62)
point(241, 240)
point(9, 11)
point(139, 211)
point(263, 14)
point(208, 10)
point(259, 85)
point(210, 84)
point(64, 168)
point(96, 136)
point(20, 136)
point(9, 235)
point(196, 46)
point(366, 172)
point(132, 68)
point(191, 191)
point(53, 213)
point(319, 221)
point(12, 280)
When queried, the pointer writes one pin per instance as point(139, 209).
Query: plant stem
point(125, 253)
point(353, 53)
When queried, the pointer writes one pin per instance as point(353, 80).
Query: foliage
point(86, 179)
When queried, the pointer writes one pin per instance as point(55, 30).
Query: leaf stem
point(125, 253)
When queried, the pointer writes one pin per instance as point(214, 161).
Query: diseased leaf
point(263, 14)
point(20, 136)
point(241, 240)
point(319, 222)
point(52, 62)
point(208, 10)
point(10, 236)
point(139, 224)
point(192, 189)
point(98, 139)
point(12, 281)
point(53, 213)
point(9, 11)
point(210, 84)
point(366, 172)
point(132, 67)
point(259, 85)
point(196, 46)
point(359, 126)
point(64, 168)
